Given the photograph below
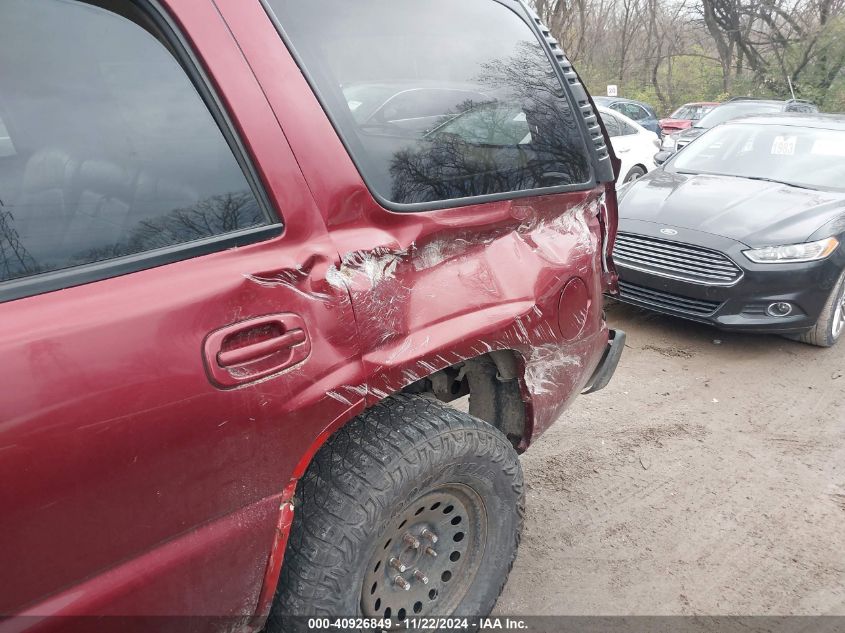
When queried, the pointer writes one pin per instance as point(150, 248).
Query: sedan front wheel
point(636, 173)
point(831, 323)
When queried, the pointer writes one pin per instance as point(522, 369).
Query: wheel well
point(492, 383)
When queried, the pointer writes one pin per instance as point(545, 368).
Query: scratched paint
point(380, 282)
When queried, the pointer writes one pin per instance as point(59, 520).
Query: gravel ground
point(707, 478)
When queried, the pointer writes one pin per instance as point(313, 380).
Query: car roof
point(796, 119)
point(607, 100)
point(734, 102)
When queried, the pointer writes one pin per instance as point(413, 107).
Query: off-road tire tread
point(334, 505)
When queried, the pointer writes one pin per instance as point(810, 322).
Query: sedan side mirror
point(662, 156)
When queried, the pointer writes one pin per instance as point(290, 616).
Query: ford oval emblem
point(668, 231)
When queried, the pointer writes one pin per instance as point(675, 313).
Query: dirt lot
point(708, 478)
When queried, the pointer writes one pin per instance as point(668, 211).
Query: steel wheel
point(427, 559)
point(413, 509)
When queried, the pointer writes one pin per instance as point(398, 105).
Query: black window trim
point(51, 281)
point(452, 203)
point(108, 269)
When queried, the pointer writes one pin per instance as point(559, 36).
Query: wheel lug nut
point(430, 551)
point(397, 564)
point(428, 534)
point(402, 583)
point(411, 541)
point(421, 576)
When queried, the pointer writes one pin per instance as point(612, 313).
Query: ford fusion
point(743, 229)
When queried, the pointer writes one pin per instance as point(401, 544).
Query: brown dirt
point(707, 478)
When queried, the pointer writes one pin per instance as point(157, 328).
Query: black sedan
point(743, 229)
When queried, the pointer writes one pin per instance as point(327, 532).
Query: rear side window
point(438, 100)
point(106, 147)
point(631, 110)
point(614, 129)
point(626, 128)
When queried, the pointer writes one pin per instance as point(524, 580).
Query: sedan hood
point(691, 133)
point(753, 212)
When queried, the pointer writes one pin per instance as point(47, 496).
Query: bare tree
point(755, 47)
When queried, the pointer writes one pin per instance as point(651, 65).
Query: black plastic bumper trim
point(607, 367)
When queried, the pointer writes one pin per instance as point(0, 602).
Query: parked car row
point(733, 109)
point(743, 228)
point(633, 144)
point(637, 111)
point(695, 114)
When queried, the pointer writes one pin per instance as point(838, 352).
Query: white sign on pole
point(612, 90)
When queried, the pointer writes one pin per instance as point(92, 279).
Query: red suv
point(248, 250)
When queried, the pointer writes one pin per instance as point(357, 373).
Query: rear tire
point(635, 173)
point(831, 323)
point(410, 471)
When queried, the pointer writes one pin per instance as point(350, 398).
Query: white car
point(634, 145)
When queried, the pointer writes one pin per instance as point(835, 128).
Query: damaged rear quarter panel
point(431, 289)
point(436, 289)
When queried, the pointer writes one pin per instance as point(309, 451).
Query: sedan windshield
point(691, 112)
point(798, 156)
point(730, 111)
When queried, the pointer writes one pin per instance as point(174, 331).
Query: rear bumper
point(609, 361)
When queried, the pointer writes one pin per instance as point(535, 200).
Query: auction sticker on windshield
point(784, 145)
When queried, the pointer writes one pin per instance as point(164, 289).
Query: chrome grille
point(675, 259)
point(665, 301)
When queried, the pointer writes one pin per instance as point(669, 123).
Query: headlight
point(793, 253)
point(668, 142)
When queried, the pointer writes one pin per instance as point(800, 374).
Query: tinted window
point(438, 100)
point(114, 151)
point(631, 110)
point(627, 129)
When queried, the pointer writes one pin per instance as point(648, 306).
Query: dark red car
point(685, 116)
point(247, 251)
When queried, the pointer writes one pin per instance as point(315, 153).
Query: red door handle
point(254, 349)
point(260, 350)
